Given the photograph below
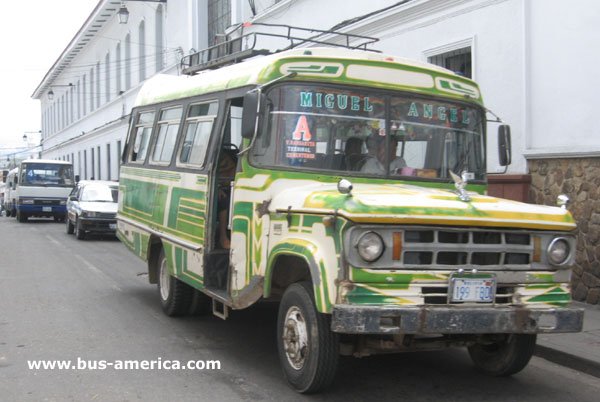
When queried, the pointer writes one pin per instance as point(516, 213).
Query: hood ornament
point(460, 182)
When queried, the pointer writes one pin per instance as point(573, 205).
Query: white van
point(42, 187)
point(10, 192)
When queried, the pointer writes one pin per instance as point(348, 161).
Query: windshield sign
point(342, 129)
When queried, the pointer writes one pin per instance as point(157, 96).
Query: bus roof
point(327, 65)
point(54, 161)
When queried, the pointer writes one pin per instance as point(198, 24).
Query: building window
point(99, 158)
point(98, 98)
point(108, 165)
point(83, 97)
point(159, 39)
point(219, 18)
point(458, 60)
point(142, 50)
point(92, 86)
point(107, 78)
point(118, 68)
point(93, 164)
point(127, 62)
point(79, 163)
point(85, 169)
point(119, 158)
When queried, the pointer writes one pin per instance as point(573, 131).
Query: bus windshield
point(369, 133)
point(47, 174)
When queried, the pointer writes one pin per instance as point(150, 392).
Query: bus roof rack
point(237, 45)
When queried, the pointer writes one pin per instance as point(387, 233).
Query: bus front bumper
point(352, 319)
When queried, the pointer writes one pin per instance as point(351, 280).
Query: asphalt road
point(64, 299)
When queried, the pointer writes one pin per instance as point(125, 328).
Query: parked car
point(92, 208)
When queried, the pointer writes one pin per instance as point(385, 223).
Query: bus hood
point(415, 205)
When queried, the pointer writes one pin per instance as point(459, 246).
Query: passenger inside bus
point(353, 157)
point(226, 173)
point(378, 151)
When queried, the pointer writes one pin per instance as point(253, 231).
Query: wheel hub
point(295, 338)
point(164, 279)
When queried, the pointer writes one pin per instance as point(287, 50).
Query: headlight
point(88, 214)
point(370, 246)
point(63, 202)
point(558, 251)
point(26, 201)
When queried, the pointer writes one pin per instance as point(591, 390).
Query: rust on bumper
point(351, 319)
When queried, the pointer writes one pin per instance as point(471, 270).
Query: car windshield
point(371, 134)
point(47, 174)
point(99, 193)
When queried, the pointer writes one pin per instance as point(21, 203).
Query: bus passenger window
point(143, 131)
point(168, 126)
point(197, 131)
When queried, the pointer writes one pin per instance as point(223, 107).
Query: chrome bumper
point(352, 319)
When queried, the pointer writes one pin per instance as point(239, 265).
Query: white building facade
point(533, 59)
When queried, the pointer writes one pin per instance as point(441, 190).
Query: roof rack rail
point(235, 49)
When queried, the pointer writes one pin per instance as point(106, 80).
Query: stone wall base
point(578, 178)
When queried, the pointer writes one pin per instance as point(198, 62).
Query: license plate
point(46, 209)
point(112, 226)
point(477, 289)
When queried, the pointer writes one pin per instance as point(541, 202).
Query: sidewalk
point(579, 351)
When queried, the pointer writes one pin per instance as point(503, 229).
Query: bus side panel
point(172, 206)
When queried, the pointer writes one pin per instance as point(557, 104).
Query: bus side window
point(197, 130)
point(141, 138)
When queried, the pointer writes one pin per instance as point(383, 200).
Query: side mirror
point(504, 147)
point(252, 103)
point(73, 198)
point(76, 178)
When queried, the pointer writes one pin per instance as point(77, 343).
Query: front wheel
point(79, 230)
point(175, 296)
point(308, 349)
point(21, 217)
point(70, 227)
point(504, 357)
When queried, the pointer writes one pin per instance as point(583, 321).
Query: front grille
point(444, 249)
point(46, 202)
point(439, 294)
point(105, 215)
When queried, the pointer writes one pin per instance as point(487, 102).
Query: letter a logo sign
point(302, 132)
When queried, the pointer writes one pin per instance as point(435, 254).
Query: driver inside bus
point(226, 172)
point(378, 151)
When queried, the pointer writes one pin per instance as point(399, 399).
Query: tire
point(308, 349)
point(79, 232)
point(504, 358)
point(70, 227)
point(175, 296)
point(8, 212)
point(21, 217)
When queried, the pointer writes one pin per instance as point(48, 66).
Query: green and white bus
point(358, 202)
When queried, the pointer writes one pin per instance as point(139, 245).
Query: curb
point(568, 360)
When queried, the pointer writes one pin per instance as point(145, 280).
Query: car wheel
point(8, 211)
point(70, 227)
point(79, 231)
point(21, 217)
point(308, 349)
point(175, 296)
point(505, 357)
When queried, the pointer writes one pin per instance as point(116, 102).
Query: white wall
point(563, 77)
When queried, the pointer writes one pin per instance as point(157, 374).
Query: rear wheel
point(175, 296)
point(308, 349)
point(505, 357)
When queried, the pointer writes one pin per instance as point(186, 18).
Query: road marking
point(54, 241)
point(99, 272)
